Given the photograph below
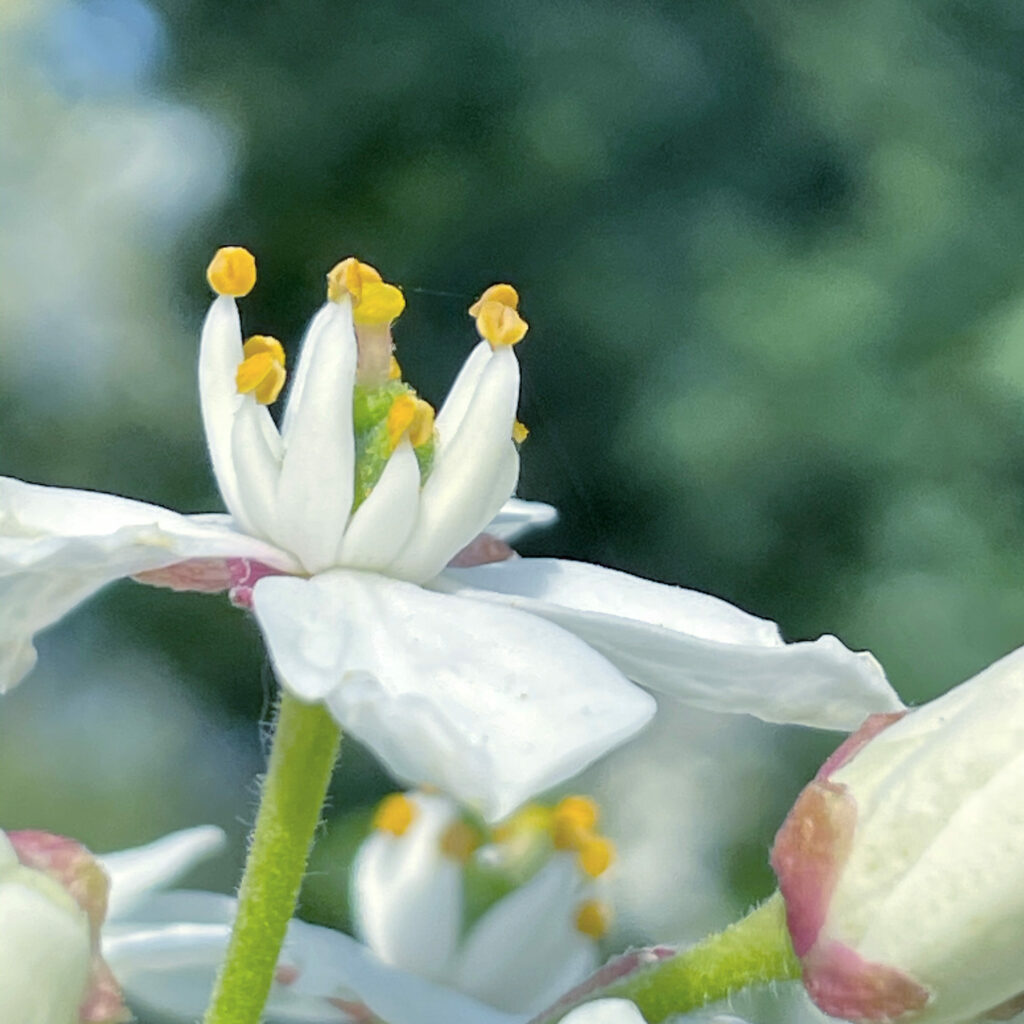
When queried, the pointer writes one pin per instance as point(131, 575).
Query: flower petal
point(382, 524)
point(317, 472)
point(136, 872)
point(687, 644)
point(488, 704)
point(518, 517)
point(407, 895)
point(605, 1011)
point(456, 404)
point(525, 951)
point(166, 956)
point(59, 546)
point(220, 352)
point(474, 473)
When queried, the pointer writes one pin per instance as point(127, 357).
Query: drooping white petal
point(473, 474)
point(689, 645)
point(381, 526)
point(517, 517)
point(136, 872)
point(486, 703)
point(167, 954)
point(453, 411)
point(525, 951)
point(59, 546)
point(317, 472)
point(220, 352)
point(407, 895)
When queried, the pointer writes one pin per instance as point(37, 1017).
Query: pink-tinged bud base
point(809, 854)
point(73, 867)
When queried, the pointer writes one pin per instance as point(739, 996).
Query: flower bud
point(902, 863)
point(52, 902)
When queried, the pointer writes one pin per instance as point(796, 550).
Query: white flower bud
point(52, 902)
point(902, 863)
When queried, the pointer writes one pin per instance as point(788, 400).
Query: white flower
point(533, 940)
point(902, 863)
point(492, 682)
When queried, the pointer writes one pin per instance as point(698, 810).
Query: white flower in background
point(491, 682)
point(510, 916)
point(902, 863)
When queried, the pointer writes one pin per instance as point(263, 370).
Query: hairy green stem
point(302, 757)
point(662, 982)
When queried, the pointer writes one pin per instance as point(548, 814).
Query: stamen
point(232, 271)
point(520, 432)
point(497, 318)
point(413, 416)
point(394, 370)
point(261, 372)
point(459, 841)
point(593, 919)
point(596, 856)
point(573, 821)
point(394, 814)
point(348, 278)
point(378, 305)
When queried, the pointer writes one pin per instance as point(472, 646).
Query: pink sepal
point(810, 850)
point(481, 550)
point(873, 725)
point(843, 984)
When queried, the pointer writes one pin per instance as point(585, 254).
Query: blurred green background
point(771, 257)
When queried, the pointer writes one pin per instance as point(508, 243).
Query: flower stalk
point(753, 951)
point(304, 750)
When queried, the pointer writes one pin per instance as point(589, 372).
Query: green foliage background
point(771, 256)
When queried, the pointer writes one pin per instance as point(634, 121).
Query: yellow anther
point(261, 372)
point(596, 856)
point(379, 304)
point(459, 840)
point(232, 271)
point(394, 814)
point(394, 370)
point(348, 278)
point(573, 821)
point(504, 294)
point(593, 919)
point(412, 416)
point(583, 810)
point(501, 325)
point(520, 432)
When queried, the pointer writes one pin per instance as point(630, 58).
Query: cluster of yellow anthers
point(569, 826)
point(376, 304)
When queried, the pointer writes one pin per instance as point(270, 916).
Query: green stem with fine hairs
point(752, 951)
point(302, 757)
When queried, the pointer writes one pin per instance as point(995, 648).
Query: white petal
point(453, 411)
point(605, 1011)
point(525, 951)
point(59, 546)
point(45, 957)
point(168, 956)
point(517, 517)
point(407, 895)
point(689, 645)
point(473, 474)
point(382, 524)
point(318, 469)
point(136, 872)
point(256, 451)
point(220, 352)
point(488, 704)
